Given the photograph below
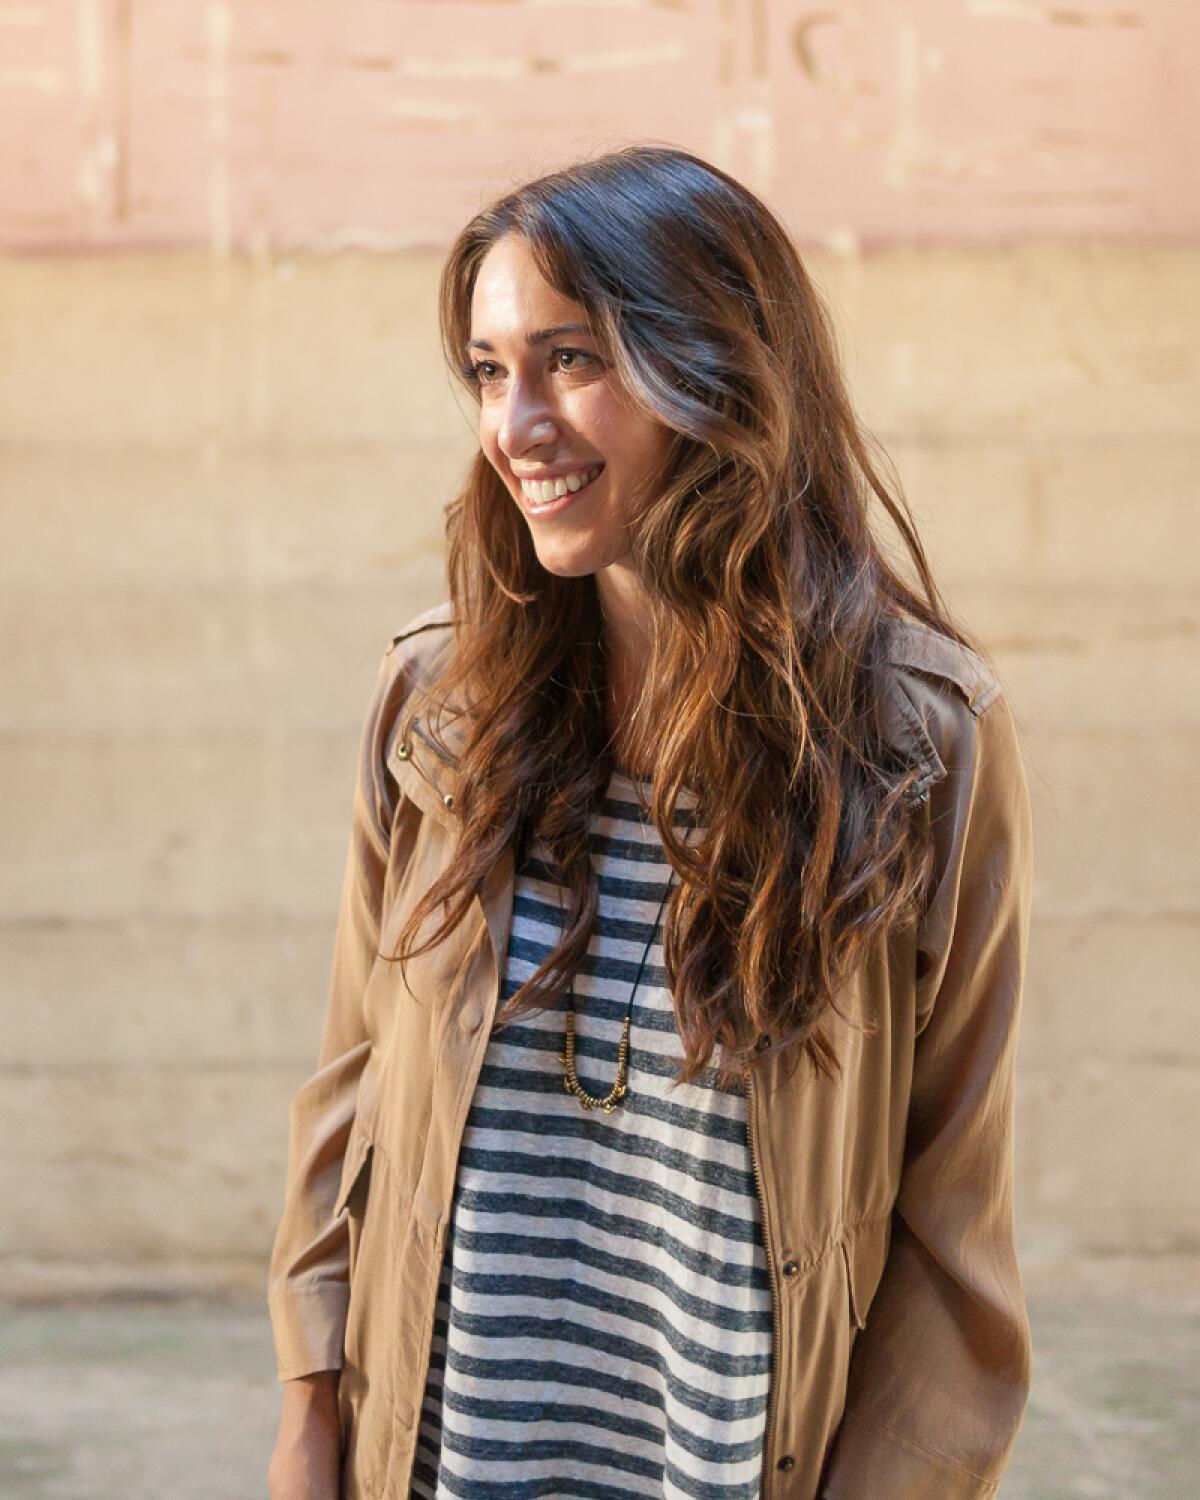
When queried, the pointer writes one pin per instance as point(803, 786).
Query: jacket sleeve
point(940, 1374)
point(307, 1282)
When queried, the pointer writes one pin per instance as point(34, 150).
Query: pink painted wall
point(264, 125)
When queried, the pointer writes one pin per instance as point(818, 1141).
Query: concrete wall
point(223, 462)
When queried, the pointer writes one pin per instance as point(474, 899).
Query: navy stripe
point(567, 1288)
point(559, 1373)
point(543, 1247)
point(622, 1228)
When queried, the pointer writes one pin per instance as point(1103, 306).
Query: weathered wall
point(268, 123)
point(221, 478)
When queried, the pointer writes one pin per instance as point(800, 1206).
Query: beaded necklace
point(617, 1093)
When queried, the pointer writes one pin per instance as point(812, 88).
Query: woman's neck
point(624, 610)
point(624, 684)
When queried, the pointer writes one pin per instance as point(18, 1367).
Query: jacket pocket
point(864, 1251)
point(353, 1189)
point(366, 1408)
point(354, 1163)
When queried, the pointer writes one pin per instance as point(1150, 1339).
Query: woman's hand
point(306, 1462)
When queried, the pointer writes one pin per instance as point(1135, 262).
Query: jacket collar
point(905, 729)
point(430, 775)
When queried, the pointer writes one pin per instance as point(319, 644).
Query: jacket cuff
point(871, 1462)
point(308, 1325)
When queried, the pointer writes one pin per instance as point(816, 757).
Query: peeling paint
point(40, 80)
point(122, 106)
point(594, 62)
point(802, 45)
point(97, 152)
point(89, 51)
point(371, 64)
point(512, 68)
point(218, 26)
point(264, 57)
point(460, 67)
point(726, 34)
point(1024, 10)
point(435, 111)
point(1084, 18)
point(1006, 10)
point(758, 38)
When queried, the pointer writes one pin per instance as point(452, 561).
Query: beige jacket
point(901, 1342)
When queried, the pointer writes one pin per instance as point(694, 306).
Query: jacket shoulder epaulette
point(914, 644)
point(440, 617)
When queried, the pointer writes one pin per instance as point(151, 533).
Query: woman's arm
point(940, 1374)
point(307, 1289)
point(306, 1461)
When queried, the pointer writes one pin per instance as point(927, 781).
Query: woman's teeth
point(539, 491)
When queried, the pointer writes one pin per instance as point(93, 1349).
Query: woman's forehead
point(511, 292)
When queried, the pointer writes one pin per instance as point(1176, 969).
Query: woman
point(661, 1136)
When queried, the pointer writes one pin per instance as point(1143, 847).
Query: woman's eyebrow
point(538, 337)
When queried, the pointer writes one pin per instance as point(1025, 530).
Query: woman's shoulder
point(412, 653)
point(915, 646)
point(434, 625)
point(937, 692)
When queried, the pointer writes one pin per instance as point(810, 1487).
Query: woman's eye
point(578, 358)
point(486, 371)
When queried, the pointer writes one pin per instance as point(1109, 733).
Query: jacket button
point(790, 1268)
point(763, 1042)
point(448, 799)
point(471, 1016)
point(401, 752)
point(786, 1464)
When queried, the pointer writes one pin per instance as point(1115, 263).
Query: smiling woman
point(660, 1142)
point(580, 458)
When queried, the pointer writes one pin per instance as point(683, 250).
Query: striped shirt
point(603, 1322)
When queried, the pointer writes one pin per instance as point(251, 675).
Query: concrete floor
point(141, 1400)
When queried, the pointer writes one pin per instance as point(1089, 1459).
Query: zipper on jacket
point(765, 1480)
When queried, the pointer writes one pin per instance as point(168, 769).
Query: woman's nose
point(527, 421)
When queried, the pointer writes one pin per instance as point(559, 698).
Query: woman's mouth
point(545, 497)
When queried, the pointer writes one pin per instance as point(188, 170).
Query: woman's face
point(551, 417)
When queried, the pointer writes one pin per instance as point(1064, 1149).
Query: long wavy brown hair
point(768, 602)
